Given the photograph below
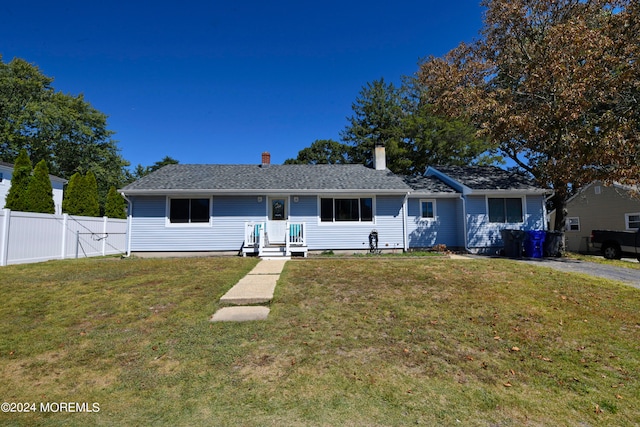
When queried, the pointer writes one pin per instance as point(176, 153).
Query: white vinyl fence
point(32, 237)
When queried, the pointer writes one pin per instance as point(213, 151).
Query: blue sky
point(221, 82)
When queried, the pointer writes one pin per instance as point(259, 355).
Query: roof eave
point(434, 194)
point(513, 191)
point(252, 192)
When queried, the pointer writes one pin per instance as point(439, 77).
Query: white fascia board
point(258, 192)
point(514, 192)
point(422, 195)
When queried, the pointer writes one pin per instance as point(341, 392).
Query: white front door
point(277, 223)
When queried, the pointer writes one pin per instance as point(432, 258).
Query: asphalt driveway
point(629, 276)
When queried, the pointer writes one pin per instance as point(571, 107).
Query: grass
point(387, 341)
point(599, 259)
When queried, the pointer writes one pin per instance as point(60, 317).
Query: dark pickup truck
point(615, 244)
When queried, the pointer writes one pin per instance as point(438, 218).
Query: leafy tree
point(141, 171)
point(17, 196)
point(555, 84)
point(62, 129)
point(432, 139)
point(322, 151)
point(414, 136)
point(115, 205)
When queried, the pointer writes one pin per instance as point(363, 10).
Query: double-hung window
point(505, 210)
point(346, 209)
point(189, 211)
point(573, 224)
point(427, 209)
point(632, 220)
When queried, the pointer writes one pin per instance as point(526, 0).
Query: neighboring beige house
point(600, 207)
point(6, 171)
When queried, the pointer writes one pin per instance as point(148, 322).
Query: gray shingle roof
point(488, 178)
point(428, 185)
point(185, 177)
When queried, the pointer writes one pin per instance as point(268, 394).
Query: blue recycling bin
point(534, 244)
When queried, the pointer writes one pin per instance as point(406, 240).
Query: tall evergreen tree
point(414, 136)
point(377, 120)
point(39, 195)
point(115, 205)
point(71, 202)
point(90, 193)
point(17, 195)
point(81, 195)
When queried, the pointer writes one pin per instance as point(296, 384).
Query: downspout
point(547, 222)
point(129, 223)
point(464, 223)
point(405, 238)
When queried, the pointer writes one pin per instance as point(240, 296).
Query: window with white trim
point(632, 220)
point(346, 209)
point(573, 224)
point(427, 209)
point(506, 210)
point(189, 211)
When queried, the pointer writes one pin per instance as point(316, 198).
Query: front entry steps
point(274, 252)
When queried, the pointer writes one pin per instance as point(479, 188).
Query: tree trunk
point(559, 201)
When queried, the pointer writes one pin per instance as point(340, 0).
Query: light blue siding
point(443, 230)
point(535, 213)
point(482, 234)
point(352, 235)
point(150, 232)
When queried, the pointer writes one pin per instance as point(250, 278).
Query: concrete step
point(240, 314)
point(273, 252)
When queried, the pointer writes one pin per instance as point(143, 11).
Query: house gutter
point(405, 238)
point(129, 223)
point(464, 223)
point(262, 192)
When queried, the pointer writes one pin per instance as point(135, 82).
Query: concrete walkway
point(256, 287)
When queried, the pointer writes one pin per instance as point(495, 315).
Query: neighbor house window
point(632, 221)
point(353, 209)
point(573, 224)
point(427, 209)
point(505, 209)
point(189, 211)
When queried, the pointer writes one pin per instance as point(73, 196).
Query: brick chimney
point(379, 158)
point(266, 158)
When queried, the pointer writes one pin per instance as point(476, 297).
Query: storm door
point(277, 223)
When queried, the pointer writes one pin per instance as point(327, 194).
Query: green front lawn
point(383, 341)
point(599, 259)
